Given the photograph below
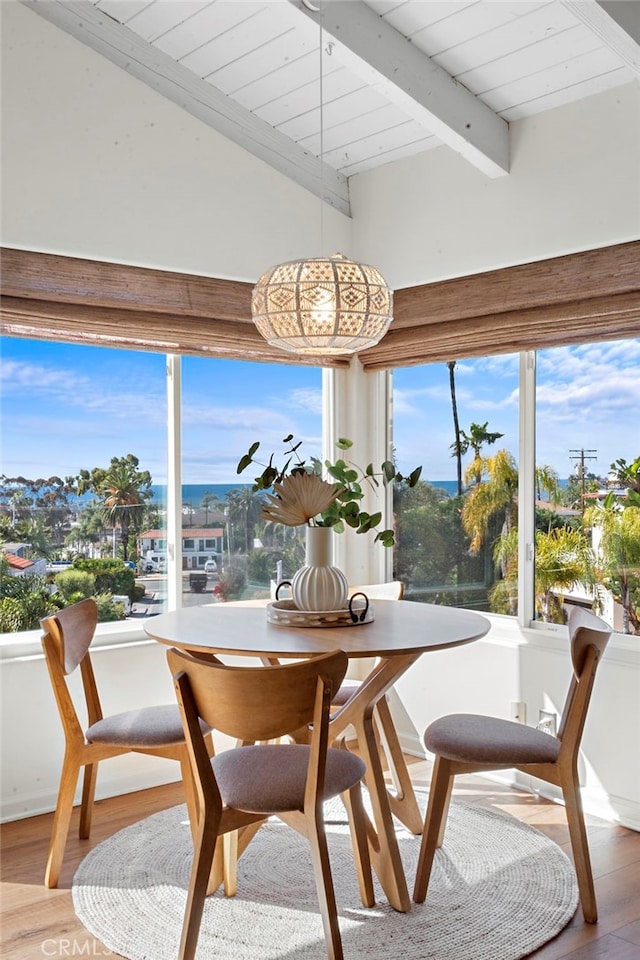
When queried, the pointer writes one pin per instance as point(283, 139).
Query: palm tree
point(207, 500)
point(618, 524)
point(547, 481)
point(455, 446)
point(564, 558)
point(477, 437)
point(493, 497)
point(124, 491)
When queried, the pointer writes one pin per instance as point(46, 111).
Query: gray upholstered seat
point(145, 727)
point(478, 739)
point(468, 743)
point(273, 777)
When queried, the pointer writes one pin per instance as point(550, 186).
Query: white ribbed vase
point(319, 585)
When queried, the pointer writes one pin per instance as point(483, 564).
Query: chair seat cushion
point(345, 692)
point(146, 727)
point(478, 739)
point(268, 778)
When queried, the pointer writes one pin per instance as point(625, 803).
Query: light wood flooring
point(39, 923)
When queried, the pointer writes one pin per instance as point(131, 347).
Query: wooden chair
point(153, 730)
point(466, 743)
point(241, 787)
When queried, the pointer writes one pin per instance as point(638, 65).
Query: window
point(448, 526)
point(226, 406)
point(84, 441)
point(587, 531)
point(458, 543)
point(59, 422)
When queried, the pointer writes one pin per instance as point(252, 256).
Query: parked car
point(57, 566)
point(197, 581)
point(124, 600)
point(211, 566)
point(149, 566)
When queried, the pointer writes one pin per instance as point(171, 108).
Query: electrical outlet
point(518, 711)
point(548, 722)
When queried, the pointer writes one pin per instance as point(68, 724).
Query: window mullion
point(526, 488)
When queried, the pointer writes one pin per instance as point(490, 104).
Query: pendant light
point(323, 305)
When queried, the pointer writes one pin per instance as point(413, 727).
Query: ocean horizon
point(194, 493)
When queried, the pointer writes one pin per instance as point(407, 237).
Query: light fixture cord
point(321, 73)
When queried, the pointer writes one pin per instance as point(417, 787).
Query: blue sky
point(67, 407)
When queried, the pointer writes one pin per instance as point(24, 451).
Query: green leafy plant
point(294, 502)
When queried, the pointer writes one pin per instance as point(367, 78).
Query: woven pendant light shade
point(326, 305)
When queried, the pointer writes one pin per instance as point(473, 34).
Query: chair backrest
point(394, 590)
point(588, 636)
point(71, 630)
point(258, 703)
point(66, 639)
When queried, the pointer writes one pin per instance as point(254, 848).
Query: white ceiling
point(396, 77)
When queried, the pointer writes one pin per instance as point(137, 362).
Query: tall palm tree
point(475, 440)
point(547, 481)
point(207, 500)
point(493, 497)
point(124, 491)
point(455, 446)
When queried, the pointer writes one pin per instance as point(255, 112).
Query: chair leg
point(88, 795)
point(324, 885)
point(579, 846)
point(204, 846)
point(358, 820)
point(189, 792)
point(434, 825)
point(61, 821)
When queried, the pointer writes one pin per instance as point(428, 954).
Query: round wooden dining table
point(399, 633)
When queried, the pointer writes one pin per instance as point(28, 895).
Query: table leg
point(383, 843)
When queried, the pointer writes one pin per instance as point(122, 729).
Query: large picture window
point(458, 531)
point(587, 530)
point(466, 502)
point(83, 496)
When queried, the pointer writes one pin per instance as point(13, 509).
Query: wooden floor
point(39, 923)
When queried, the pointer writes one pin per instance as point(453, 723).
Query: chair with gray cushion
point(467, 743)
point(241, 787)
point(155, 730)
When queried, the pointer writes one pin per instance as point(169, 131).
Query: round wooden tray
point(284, 613)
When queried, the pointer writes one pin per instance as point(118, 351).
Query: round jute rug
point(499, 889)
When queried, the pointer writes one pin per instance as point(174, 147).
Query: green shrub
point(231, 583)
point(25, 601)
point(76, 583)
point(111, 576)
point(139, 591)
point(108, 609)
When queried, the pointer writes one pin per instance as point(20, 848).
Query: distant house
point(198, 546)
point(18, 565)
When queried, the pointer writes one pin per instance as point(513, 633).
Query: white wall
point(507, 665)
point(574, 185)
point(96, 164)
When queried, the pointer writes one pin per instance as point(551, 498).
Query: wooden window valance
point(577, 298)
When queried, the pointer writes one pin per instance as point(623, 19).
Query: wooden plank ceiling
point(396, 77)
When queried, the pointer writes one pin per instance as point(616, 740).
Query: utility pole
point(582, 455)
